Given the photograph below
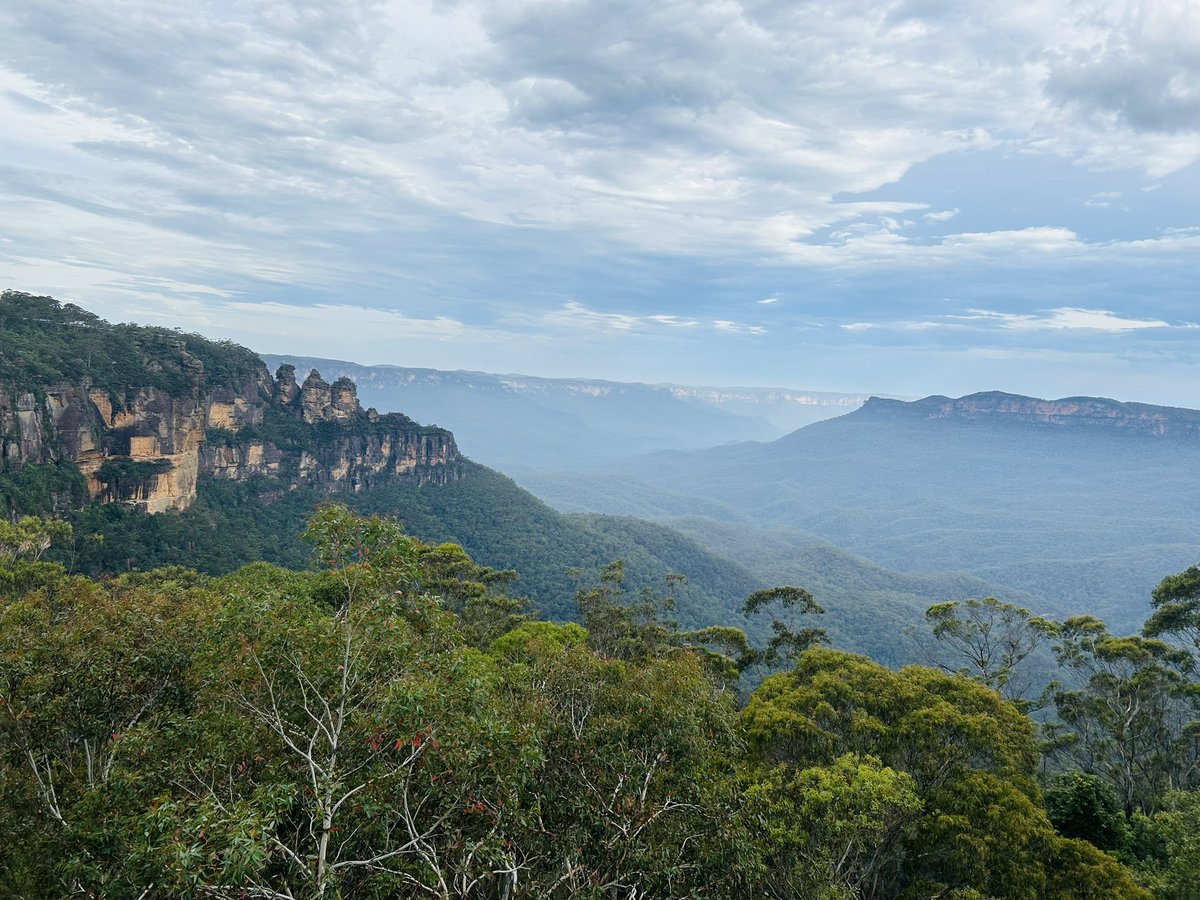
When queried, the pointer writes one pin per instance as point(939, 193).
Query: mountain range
point(523, 424)
point(1083, 504)
point(163, 448)
point(167, 448)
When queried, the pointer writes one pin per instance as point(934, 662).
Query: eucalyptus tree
point(1176, 614)
point(931, 789)
point(990, 640)
point(1132, 710)
point(361, 750)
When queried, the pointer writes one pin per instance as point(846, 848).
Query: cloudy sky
point(912, 197)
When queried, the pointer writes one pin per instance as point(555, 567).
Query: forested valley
point(388, 722)
point(226, 670)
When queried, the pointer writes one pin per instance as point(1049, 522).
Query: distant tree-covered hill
point(1082, 504)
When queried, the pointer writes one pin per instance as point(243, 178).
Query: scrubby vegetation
point(46, 342)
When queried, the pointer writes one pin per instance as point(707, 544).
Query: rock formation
point(150, 449)
point(1080, 412)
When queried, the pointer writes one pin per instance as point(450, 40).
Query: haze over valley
point(1076, 505)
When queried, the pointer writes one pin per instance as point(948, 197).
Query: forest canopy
point(388, 723)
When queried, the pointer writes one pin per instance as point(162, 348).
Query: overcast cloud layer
point(907, 197)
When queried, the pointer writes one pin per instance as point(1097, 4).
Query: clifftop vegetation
point(47, 342)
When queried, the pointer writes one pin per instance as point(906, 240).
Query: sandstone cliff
point(150, 446)
point(1078, 412)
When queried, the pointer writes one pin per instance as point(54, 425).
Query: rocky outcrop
point(151, 449)
point(1071, 412)
point(316, 398)
point(286, 388)
point(344, 403)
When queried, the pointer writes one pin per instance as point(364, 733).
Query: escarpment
point(1070, 412)
point(202, 409)
point(318, 434)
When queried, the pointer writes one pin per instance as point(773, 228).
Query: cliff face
point(1078, 412)
point(150, 448)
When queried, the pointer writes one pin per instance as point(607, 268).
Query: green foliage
point(363, 549)
point(516, 545)
point(85, 671)
point(1086, 806)
point(833, 831)
point(869, 609)
point(124, 477)
point(474, 593)
point(988, 639)
point(333, 733)
point(786, 643)
point(28, 539)
point(1175, 874)
point(45, 342)
point(638, 627)
point(387, 724)
point(531, 640)
point(42, 489)
point(1177, 609)
point(1132, 709)
point(627, 627)
point(935, 726)
point(23, 546)
point(502, 528)
point(633, 795)
point(400, 767)
point(1079, 871)
point(228, 527)
point(971, 758)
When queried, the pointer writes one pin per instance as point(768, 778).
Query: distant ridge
point(524, 424)
point(1084, 503)
point(1082, 412)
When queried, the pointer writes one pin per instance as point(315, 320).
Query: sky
point(909, 197)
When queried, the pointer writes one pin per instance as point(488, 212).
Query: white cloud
point(279, 324)
point(573, 315)
point(1065, 318)
point(894, 326)
point(1105, 200)
point(673, 321)
point(1038, 239)
point(737, 327)
point(943, 215)
point(663, 127)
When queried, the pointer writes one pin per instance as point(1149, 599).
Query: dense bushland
point(388, 723)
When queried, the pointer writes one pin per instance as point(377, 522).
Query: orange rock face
point(268, 427)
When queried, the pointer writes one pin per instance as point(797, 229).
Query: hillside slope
point(1084, 503)
point(503, 526)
